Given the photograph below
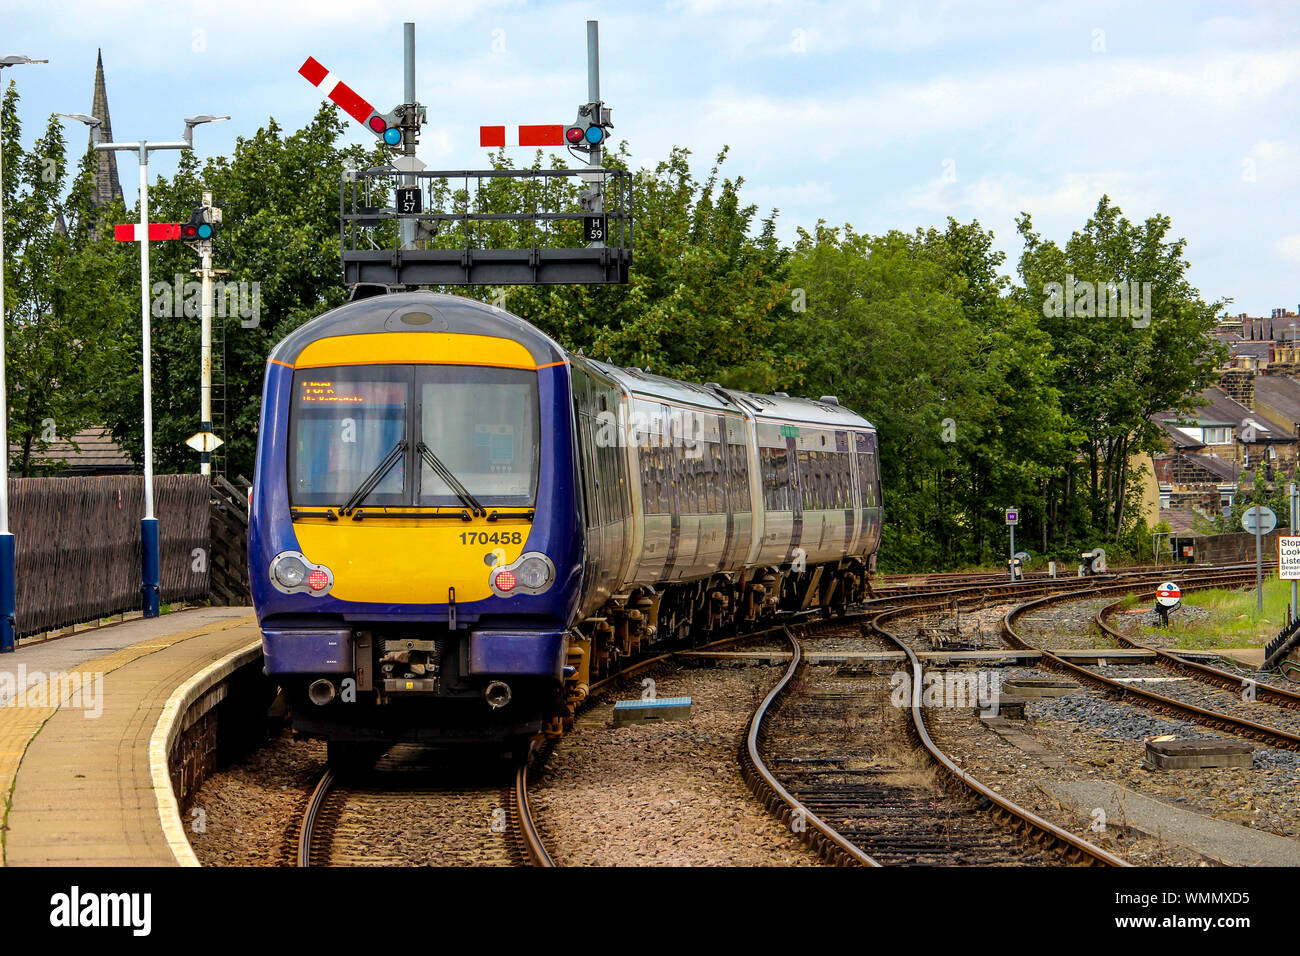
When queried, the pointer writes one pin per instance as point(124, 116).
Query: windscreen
point(482, 424)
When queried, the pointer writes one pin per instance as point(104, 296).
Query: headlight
point(292, 573)
point(532, 573)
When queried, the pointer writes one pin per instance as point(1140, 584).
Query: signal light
point(590, 129)
point(385, 126)
point(198, 228)
point(318, 580)
point(505, 580)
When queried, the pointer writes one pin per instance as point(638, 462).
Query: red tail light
point(318, 580)
point(505, 580)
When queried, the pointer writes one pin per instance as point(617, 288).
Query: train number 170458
point(492, 537)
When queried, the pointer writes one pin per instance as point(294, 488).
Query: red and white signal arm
point(1169, 594)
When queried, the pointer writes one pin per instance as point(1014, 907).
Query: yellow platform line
point(19, 725)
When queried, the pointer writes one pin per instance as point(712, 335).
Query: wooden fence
point(78, 545)
point(229, 579)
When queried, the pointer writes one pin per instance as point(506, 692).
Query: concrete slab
point(660, 708)
point(1017, 736)
point(1100, 655)
point(1250, 656)
point(1186, 753)
point(1228, 843)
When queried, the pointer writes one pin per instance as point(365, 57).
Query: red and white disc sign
point(1169, 594)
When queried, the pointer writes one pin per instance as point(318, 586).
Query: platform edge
point(164, 735)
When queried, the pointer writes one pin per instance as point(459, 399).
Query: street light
point(8, 593)
point(94, 122)
point(149, 555)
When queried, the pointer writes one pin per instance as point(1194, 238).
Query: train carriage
point(456, 525)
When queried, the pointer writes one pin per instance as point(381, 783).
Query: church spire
point(107, 186)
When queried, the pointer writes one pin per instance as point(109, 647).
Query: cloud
point(1288, 248)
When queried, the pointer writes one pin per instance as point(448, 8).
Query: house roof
point(1281, 394)
point(1261, 350)
point(1221, 410)
point(1220, 467)
point(1178, 519)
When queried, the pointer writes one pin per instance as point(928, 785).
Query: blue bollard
point(149, 557)
point(8, 593)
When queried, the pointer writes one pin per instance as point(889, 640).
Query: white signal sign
point(1288, 557)
point(1169, 594)
point(204, 441)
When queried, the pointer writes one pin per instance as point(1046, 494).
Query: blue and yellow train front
point(415, 546)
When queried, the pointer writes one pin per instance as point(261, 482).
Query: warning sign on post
point(1288, 557)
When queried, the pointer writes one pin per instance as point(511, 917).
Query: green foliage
point(1115, 372)
point(64, 302)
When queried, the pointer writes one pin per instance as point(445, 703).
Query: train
point(456, 525)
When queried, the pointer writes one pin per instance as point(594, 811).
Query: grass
point(1231, 619)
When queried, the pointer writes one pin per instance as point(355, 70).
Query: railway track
point(894, 803)
point(1134, 693)
point(405, 812)
point(1206, 673)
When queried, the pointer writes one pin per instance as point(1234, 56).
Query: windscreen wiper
point(450, 480)
point(375, 477)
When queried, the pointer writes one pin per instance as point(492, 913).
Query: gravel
point(250, 811)
point(664, 793)
point(1106, 739)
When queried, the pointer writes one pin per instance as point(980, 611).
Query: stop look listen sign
point(1288, 557)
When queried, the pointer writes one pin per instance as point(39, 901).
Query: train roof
point(419, 312)
point(777, 407)
point(812, 411)
point(637, 381)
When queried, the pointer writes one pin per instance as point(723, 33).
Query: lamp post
point(8, 591)
point(149, 555)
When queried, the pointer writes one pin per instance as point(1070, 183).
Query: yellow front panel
point(407, 348)
point(414, 561)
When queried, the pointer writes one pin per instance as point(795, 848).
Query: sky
point(885, 115)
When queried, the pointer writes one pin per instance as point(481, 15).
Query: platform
point(78, 755)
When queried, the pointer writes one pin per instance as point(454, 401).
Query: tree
point(64, 304)
point(1115, 370)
